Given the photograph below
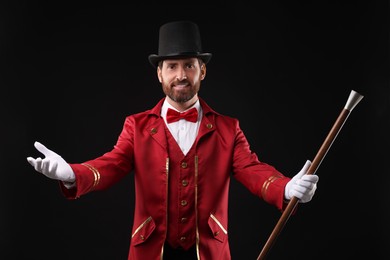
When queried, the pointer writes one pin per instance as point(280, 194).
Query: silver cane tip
point(353, 99)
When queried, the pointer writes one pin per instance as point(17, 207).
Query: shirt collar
point(166, 105)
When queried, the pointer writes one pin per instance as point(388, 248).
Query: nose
point(181, 75)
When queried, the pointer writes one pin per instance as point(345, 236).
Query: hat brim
point(155, 59)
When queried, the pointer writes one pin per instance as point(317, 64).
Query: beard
point(180, 95)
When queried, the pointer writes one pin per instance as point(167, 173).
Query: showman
point(182, 154)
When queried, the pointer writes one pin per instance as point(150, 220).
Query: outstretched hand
point(53, 165)
point(302, 185)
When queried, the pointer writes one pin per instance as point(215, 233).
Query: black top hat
point(179, 39)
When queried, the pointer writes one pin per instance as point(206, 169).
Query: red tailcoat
point(221, 149)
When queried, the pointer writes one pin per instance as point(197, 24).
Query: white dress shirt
point(183, 131)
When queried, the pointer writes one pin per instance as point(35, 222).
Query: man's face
point(181, 78)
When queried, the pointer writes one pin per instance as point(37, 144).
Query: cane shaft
point(312, 169)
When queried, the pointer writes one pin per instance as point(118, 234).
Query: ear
point(203, 72)
point(159, 74)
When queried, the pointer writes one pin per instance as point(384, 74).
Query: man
point(182, 154)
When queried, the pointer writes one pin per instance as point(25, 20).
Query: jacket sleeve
point(103, 172)
point(260, 178)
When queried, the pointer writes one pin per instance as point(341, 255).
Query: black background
point(71, 72)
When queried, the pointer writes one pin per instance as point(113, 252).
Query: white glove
point(302, 185)
point(53, 166)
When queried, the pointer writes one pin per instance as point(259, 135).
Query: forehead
point(183, 60)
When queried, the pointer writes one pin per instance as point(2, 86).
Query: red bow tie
point(190, 115)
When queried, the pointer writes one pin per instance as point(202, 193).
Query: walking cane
point(353, 99)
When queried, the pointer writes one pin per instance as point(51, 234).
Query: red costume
point(180, 199)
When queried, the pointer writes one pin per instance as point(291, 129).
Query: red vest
point(181, 195)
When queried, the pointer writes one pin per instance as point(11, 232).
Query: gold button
point(142, 237)
point(182, 239)
point(183, 220)
point(153, 131)
point(183, 202)
point(184, 165)
point(184, 183)
point(209, 126)
point(216, 233)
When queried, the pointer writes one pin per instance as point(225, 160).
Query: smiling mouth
point(180, 86)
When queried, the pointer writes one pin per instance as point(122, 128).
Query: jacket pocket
point(143, 231)
point(218, 231)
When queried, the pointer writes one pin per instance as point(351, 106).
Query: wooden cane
point(353, 99)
